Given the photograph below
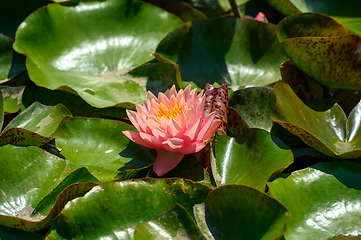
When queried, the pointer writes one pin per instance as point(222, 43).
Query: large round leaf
point(116, 208)
point(29, 173)
point(225, 50)
point(249, 159)
point(37, 125)
point(324, 200)
point(319, 47)
point(242, 212)
point(12, 98)
point(100, 145)
point(89, 48)
point(329, 132)
point(346, 12)
point(255, 105)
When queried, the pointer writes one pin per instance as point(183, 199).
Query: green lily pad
point(6, 55)
point(115, 207)
point(324, 51)
point(225, 50)
point(324, 200)
point(98, 43)
point(101, 147)
point(255, 105)
point(329, 132)
point(1, 110)
point(242, 212)
point(345, 12)
point(250, 159)
point(30, 174)
point(37, 125)
point(173, 224)
point(12, 98)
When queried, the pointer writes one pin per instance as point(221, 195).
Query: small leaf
point(12, 98)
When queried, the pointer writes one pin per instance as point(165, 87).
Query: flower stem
point(235, 9)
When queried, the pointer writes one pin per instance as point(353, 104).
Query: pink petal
point(180, 95)
point(155, 142)
point(133, 118)
point(152, 122)
point(260, 17)
point(190, 116)
point(154, 104)
point(163, 123)
point(175, 129)
point(205, 125)
point(181, 119)
point(212, 129)
point(161, 134)
point(172, 101)
point(151, 96)
point(187, 92)
point(172, 92)
point(193, 148)
point(163, 99)
point(173, 144)
point(199, 108)
point(166, 161)
point(134, 136)
point(192, 131)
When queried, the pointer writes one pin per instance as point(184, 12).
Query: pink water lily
point(173, 124)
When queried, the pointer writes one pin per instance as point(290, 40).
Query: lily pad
point(324, 200)
point(225, 50)
point(6, 55)
point(98, 43)
point(100, 146)
point(12, 98)
point(324, 51)
point(173, 224)
point(242, 212)
point(116, 206)
point(345, 12)
point(250, 159)
point(329, 132)
point(37, 125)
point(1, 110)
point(255, 105)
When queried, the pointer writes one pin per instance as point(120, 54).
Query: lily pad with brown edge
point(114, 207)
point(225, 50)
point(12, 98)
point(172, 224)
point(97, 44)
point(324, 200)
point(101, 147)
point(250, 159)
point(241, 212)
point(255, 105)
point(329, 132)
point(324, 52)
point(37, 125)
point(345, 12)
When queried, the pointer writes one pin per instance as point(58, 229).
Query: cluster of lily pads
point(286, 167)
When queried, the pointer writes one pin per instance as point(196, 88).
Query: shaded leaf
point(117, 205)
point(262, 216)
point(12, 98)
point(175, 223)
point(255, 105)
point(6, 55)
point(96, 50)
point(236, 124)
point(37, 125)
point(101, 147)
point(324, 200)
point(224, 50)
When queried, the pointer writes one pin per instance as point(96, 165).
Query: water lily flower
point(173, 124)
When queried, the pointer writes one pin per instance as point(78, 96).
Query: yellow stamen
point(168, 112)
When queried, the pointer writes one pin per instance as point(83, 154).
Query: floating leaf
point(242, 212)
point(324, 53)
point(100, 146)
point(225, 50)
point(12, 98)
point(37, 125)
point(116, 205)
point(6, 55)
point(324, 200)
point(255, 105)
point(236, 124)
point(175, 223)
point(329, 132)
point(98, 43)
point(250, 159)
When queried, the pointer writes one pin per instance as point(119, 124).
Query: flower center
point(167, 111)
